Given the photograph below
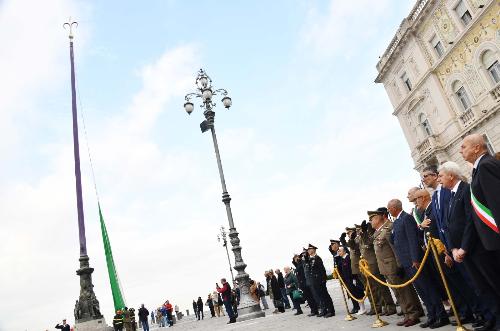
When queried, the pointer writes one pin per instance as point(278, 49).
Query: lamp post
point(248, 308)
point(224, 240)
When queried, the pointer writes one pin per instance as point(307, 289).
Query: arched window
point(424, 123)
point(462, 95)
point(491, 65)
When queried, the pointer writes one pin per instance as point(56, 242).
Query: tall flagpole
point(87, 312)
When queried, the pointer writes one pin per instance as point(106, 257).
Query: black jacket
point(460, 232)
point(486, 188)
point(299, 272)
point(281, 280)
point(316, 269)
point(143, 314)
point(63, 328)
point(199, 303)
point(272, 285)
point(405, 238)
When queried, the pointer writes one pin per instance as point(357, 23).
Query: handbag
point(297, 295)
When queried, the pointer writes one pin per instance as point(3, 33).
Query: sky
point(308, 146)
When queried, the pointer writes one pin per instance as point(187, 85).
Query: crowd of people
point(162, 316)
point(460, 219)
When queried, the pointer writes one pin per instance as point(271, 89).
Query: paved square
point(287, 321)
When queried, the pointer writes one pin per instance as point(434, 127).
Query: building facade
point(441, 72)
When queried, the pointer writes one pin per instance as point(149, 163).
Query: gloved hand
point(364, 226)
point(342, 239)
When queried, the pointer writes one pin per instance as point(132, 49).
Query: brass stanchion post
point(378, 322)
point(460, 327)
point(348, 317)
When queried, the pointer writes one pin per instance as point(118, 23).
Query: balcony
point(495, 93)
point(467, 118)
point(426, 147)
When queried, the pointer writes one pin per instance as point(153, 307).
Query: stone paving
point(287, 321)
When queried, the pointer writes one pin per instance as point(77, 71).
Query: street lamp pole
point(224, 240)
point(248, 308)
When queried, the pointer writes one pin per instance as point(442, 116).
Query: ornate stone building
point(441, 72)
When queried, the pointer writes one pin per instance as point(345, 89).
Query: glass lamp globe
point(189, 107)
point(227, 102)
point(207, 94)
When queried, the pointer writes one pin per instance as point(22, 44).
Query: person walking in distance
point(143, 317)
point(281, 285)
point(292, 285)
point(225, 292)
point(262, 295)
point(195, 309)
point(118, 321)
point(210, 304)
point(199, 306)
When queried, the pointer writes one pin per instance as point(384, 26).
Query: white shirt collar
point(455, 188)
point(399, 214)
point(346, 255)
point(477, 160)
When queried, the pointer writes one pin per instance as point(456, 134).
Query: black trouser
point(322, 296)
point(484, 267)
point(463, 296)
point(310, 299)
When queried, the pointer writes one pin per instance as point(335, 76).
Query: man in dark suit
point(461, 234)
point(407, 248)
point(485, 201)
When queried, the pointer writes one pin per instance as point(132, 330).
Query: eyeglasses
point(427, 175)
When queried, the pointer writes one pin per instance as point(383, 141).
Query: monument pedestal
point(93, 325)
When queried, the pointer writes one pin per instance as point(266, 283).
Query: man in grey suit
point(405, 238)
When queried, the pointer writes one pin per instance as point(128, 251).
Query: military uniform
point(381, 294)
point(389, 268)
point(317, 279)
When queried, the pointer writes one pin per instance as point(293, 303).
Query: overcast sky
point(308, 146)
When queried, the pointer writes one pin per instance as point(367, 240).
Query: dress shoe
point(323, 313)
point(400, 313)
point(313, 313)
point(411, 322)
point(371, 312)
point(463, 320)
point(327, 315)
point(487, 326)
point(440, 322)
point(354, 311)
point(427, 324)
point(478, 321)
point(298, 313)
point(390, 312)
point(402, 323)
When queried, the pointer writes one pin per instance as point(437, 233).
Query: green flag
point(113, 276)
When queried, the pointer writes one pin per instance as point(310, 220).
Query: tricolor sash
point(483, 212)
point(415, 216)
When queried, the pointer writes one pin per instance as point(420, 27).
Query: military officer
point(381, 294)
point(317, 274)
point(390, 269)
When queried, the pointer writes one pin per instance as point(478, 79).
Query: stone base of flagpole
point(93, 325)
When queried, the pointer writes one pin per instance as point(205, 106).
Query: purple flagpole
point(86, 310)
point(76, 147)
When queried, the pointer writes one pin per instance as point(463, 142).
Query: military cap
point(332, 241)
point(357, 226)
point(349, 229)
point(312, 247)
point(378, 211)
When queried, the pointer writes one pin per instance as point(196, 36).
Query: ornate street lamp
point(248, 308)
point(224, 244)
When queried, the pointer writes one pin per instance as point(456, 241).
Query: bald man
point(485, 201)
point(405, 239)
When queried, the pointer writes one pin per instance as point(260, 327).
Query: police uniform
point(317, 277)
point(390, 269)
